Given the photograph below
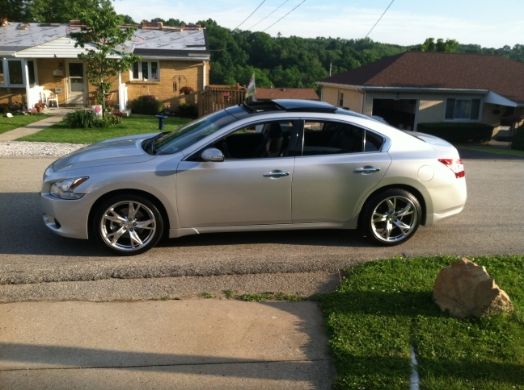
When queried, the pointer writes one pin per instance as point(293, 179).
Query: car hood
point(123, 150)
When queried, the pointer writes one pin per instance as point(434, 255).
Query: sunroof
point(289, 105)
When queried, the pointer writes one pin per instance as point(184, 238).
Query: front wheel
point(391, 217)
point(128, 224)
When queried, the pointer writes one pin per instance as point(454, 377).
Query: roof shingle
point(441, 70)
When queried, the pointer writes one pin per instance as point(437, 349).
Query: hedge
point(518, 139)
point(145, 104)
point(458, 132)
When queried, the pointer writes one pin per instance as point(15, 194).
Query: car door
point(252, 186)
point(339, 163)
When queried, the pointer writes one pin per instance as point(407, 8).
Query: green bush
point(80, 119)
point(146, 104)
point(86, 119)
point(518, 139)
point(187, 111)
point(458, 132)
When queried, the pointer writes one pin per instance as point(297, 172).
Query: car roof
point(257, 107)
point(293, 105)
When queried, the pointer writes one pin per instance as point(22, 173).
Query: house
point(285, 93)
point(415, 87)
point(36, 57)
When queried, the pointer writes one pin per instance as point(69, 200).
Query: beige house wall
point(45, 69)
point(329, 95)
point(173, 76)
point(352, 99)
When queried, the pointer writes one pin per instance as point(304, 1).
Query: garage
point(399, 113)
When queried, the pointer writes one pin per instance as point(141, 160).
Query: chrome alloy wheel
point(128, 226)
point(394, 219)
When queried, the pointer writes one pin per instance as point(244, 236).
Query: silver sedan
point(283, 164)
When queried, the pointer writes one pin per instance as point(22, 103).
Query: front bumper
point(67, 218)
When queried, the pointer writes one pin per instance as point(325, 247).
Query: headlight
point(64, 189)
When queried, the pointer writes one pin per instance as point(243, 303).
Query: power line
point(251, 14)
point(267, 28)
point(380, 18)
point(269, 14)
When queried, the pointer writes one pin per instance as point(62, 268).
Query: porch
point(25, 82)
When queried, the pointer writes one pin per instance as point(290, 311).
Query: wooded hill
point(300, 62)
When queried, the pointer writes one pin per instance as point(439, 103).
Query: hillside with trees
point(276, 61)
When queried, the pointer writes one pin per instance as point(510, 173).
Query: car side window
point(261, 140)
point(326, 137)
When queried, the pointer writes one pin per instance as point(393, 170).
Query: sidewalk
point(204, 344)
point(32, 128)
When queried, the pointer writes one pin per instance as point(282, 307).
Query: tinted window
point(373, 142)
point(322, 137)
point(261, 140)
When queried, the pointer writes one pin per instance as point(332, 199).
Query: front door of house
point(77, 85)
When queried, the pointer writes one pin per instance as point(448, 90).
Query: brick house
point(414, 87)
point(35, 57)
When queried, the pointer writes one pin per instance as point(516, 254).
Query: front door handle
point(368, 169)
point(276, 174)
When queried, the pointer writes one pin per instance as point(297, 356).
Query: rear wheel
point(391, 217)
point(128, 224)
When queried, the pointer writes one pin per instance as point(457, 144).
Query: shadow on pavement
point(23, 232)
point(471, 154)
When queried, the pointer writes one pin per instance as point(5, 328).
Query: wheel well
point(152, 198)
point(410, 189)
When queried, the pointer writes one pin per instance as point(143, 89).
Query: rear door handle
point(276, 174)
point(368, 169)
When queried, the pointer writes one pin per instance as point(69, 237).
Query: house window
point(145, 70)
point(14, 72)
point(31, 71)
point(463, 109)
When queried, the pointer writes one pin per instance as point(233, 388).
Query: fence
point(217, 97)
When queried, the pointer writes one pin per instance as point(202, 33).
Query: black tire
point(391, 217)
point(127, 224)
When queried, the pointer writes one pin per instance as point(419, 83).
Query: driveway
point(491, 224)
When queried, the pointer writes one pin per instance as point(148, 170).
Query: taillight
point(455, 165)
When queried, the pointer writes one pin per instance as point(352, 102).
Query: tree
point(59, 11)
point(15, 10)
point(442, 46)
point(103, 38)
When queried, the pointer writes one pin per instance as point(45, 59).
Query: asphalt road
point(492, 223)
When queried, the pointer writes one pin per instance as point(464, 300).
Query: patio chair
point(48, 97)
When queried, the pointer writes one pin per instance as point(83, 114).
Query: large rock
point(465, 289)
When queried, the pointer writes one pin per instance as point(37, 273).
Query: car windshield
point(180, 139)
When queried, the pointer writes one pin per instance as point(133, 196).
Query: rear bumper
point(448, 202)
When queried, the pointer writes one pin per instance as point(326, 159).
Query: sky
point(407, 22)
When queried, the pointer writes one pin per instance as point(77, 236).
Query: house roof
point(175, 42)
point(286, 93)
point(441, 70)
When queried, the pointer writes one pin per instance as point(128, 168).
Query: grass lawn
point(135, 124)
point(7, 124)
point(382, 308)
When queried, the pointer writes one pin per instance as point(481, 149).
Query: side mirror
point(212, 155)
